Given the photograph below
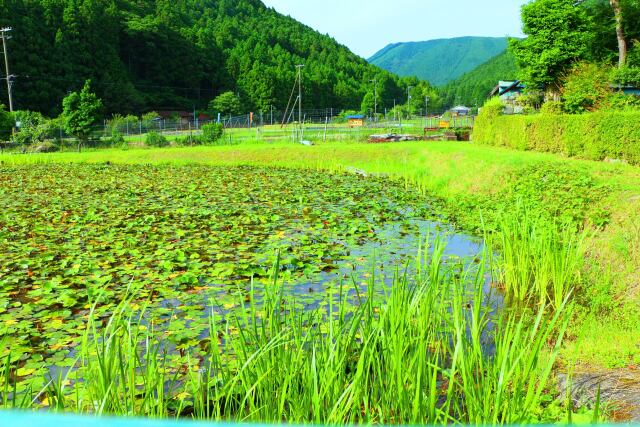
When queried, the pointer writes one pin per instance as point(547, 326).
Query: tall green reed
point(430, 349)
point(537, 258)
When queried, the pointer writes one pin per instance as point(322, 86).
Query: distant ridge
point(439, 61)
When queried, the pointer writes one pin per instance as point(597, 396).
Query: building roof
point(460, 108)
point(505, 86)
point(515, 85)
point(356, 117)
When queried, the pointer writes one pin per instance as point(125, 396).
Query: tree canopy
point(561, 33)
point(80, 111)
point(226, 104)
point(557, 36)
point(144, 55)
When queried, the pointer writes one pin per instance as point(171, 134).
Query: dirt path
point(618, 388)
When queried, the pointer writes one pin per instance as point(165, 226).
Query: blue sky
point(367, 26)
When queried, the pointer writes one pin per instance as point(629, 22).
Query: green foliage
point(7, 122)
point(34, 127)
point(226, 104)
point(475, 86)
point(438, 61)
point(633, 59)
point(552, 107)
point(585, 88)
point(123, 310)
point(539, 257)
point(593, 136)
point(121, 124)
point(602, 29)
point(117, 140)
point(80, 111)
point(626, 76)
point(557, 36)
point(419, 91)
point(562, 197)
point(493, 107)
point(618, 101)
point(145, 55)
point(368, 103)
point(154, 139)
point(212, 132)
point(490, 111)
point(149, 118)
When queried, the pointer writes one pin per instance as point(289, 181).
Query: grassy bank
point(473, 180)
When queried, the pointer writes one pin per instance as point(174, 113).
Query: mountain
point(439, 61)
point(143, 55)
point(473, 88)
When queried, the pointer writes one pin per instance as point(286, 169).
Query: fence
point(319, 124)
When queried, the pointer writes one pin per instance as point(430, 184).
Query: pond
point(183, 241)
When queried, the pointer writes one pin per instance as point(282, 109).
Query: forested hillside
point(168, 54)
point(474, 87)
point(438, 61)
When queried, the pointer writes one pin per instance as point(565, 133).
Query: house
point(460, 110)
point(356, 121)
point(508, 91)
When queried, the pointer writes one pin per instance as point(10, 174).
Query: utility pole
point(409, 100)
point(9, 77)
point(426, 105)
point(300, 67)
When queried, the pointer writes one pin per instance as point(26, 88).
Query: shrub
point(592, 136)
point(189, 140)
point(122, 124)
point(618, 101)
point(149, 120)
point(43, 147)
point(585, 88)
point(117, 140)
point(552, 107)
point(493, 107)
point(34, 128)
point(154, 139)
point(212, 133)
point(626, 76)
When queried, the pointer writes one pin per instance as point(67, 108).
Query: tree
point(80, 111)
point(622, 41)
point(368, 103)
point(6, 124)
point(558, 36)
point(226, 104)
point(157, 55)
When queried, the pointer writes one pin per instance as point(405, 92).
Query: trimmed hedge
point(593, 136)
